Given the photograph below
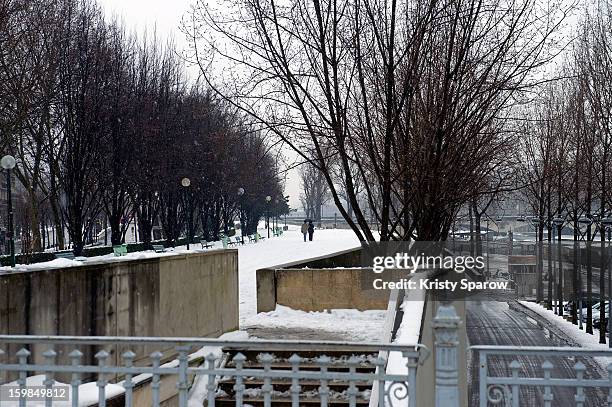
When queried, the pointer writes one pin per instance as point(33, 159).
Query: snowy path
point(285, 322)
point(288, 323)
point(279, 250)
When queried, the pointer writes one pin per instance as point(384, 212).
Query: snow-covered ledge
point(580, 337)
point(409, 333)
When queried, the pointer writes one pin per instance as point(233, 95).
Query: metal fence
point(533, 375)
point(507, 375)
point(24, 364)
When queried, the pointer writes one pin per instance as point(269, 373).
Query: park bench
point(252, 238)
point(120, 250)
point(260, 237)
point(64, 255)
point(159, 248)
point(202, 242)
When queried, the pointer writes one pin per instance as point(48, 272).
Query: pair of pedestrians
point(308, 229)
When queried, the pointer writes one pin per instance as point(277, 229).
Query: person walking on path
point(305, 229)
point(310, 230)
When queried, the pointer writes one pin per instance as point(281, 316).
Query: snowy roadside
point(107, 258)
point(581, 338)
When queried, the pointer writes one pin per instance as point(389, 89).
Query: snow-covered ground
point(352, 324)
point(580, 337)
point(279, 250)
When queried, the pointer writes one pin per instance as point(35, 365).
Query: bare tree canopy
point(410, 96)
point(104, 125)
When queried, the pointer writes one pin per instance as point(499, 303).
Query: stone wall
point(267, 282)
point(185, 295)
point(317, 290)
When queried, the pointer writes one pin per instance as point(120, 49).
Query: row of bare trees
point(403, 107)
point(104, 125)
point(567, 147)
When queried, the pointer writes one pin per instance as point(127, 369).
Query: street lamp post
point(186, 182)
point(488, 274)
point(583, 221)
point(240, 194)
point(606, 224)
point(288, 210)
point(8, 163)
point(537, 221)
point(276, 201)
point(321, 216)
point(558, 222)
point(268, 199)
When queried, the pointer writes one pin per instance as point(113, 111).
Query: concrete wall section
point(266, 290)
point(321, 289)
point(187, 295)
point(267, 287)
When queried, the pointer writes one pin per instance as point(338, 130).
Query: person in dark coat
point(310, 230)
point(305, 229)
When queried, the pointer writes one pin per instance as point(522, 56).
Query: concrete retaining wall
point(267, 288)
point(318, 289)
point(187, 295)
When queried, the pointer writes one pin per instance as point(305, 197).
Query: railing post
point(445, 326)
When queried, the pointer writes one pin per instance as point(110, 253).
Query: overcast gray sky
point(165, 17)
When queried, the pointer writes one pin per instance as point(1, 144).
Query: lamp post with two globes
point(587, 221)
point(8, 163)
point(606, 224)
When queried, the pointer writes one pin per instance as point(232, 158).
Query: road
point(498, 323)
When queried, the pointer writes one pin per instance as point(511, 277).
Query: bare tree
point(315, 191)
point(83, 81)
point(405, 93)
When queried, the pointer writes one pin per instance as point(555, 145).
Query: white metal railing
point(65, 355)
point(387, 335)
point(505, 390)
